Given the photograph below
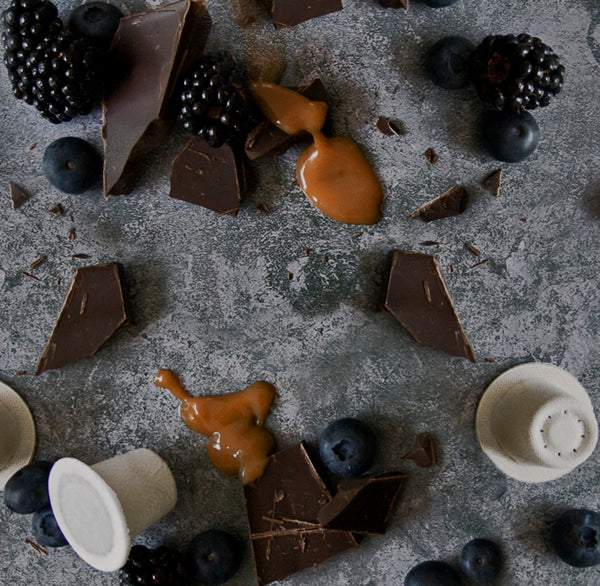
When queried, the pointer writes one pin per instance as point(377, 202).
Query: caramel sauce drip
point(333, 172)
point(238, 445)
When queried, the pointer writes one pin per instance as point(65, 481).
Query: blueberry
point(481, 560)
point(95, 20)
point(576, 537)
point(46, 529)
point(213, 557)
point(432, 573)
point(447, 62)
point(509, 136)
point(347, 447)
point(27, 489)
point(439, 3)
point(72, 164)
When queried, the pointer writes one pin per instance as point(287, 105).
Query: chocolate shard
point(93, 310)
point(149, 50)
point(210, 177)
point(423, 451)
point(364, 505)
point(450, 203)
point(493, 181)
point(283, 507)
point(267, 139)
point(390, 127)
point(17, 196)
point(394, 3)
point(289, 13)
point(416, 295)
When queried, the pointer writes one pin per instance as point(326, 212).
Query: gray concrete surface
point(213, 300)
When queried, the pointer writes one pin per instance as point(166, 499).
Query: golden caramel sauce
point(333, 172)
point(238, 445)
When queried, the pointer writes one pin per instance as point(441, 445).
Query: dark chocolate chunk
point(423, 451)
point(289, 13)
point(394, 3)
point(363, 505)
point(210, 177)
point(390, 127)
point(267, 139)
point(416, 295)
point(93, 310)
point(450, 203)
point(17, 196)
point(150, 50)
point(493, 181)
point(283, 507)
point(431, 155)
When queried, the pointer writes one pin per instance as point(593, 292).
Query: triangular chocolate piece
point(92, 311)
point(283, 507)
point(289, 13)
point(493, 181)
point(390, 127)
point(423, 451)
point(416, 295)
point(450, 203)
point(363, 505)
point(210, 177)
point(17, 196)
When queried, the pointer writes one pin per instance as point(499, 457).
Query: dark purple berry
point(481, 560)
point(448, 62)
point(46, 530)
point(509, 136)
point(576, 537)
point(95, 20)
point(432, 573)
point(213, 557)
point(27, 489)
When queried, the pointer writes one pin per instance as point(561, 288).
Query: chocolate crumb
point(474, 250)
point(29, 276)
point(58, 280)
point(489, 360)
point(71, 217)
point(57, 210)
point(290, 276)
point(451, 268)
point(37, 262)
point(325, 258)
point(308, 251)
point(423, 451)
point(430, 243)
point(263, 207)
point(36, 546)
point(80, 255)
point(390, 127)
point(17, 196)
point(492, 182)
point(483, 262)
point(431, 155)
point(32, 146)
point(21, 372)
point(357, 234)
point(523, 219)
point(72, 234)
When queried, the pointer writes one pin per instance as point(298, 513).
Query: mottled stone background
point(213, 300)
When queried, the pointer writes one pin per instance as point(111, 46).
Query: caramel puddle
point(239, 445)
point(333, 172)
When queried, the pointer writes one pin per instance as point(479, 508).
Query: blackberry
point(516, 72)
point(149, 567)
point(58, 73)
point(213, 102)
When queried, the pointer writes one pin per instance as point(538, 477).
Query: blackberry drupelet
point(59, 74)
point(516, 72)
point(150, 567)
point(214, 104)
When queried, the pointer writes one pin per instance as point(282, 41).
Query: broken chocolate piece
point(493, 181)
point(390, 127)
point(363, 505)
point(289, 13)
point(394, 3)
point(431, 155)
point(267, 139)
point(208, 177)
point(283, 507)
point(93, 310)
point(150, 50)
point(423, 451)
point(450, 203)
point(17, 196)
point(57, 210)
point(416, 295)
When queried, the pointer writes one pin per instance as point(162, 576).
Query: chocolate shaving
point(17, 196)
point(430, 243)
point(93, 310)
point(263, 207)
point(389, 127)
point(37, 262)
point(450, 203)
point(32, 146)
point(492, 182)
point(474, 250)
point(478, 264)
point(21, 372)
point(72, 234)
point(57, 210)
point(423, 451)
point(490, 359)
point(430, 155)
point(36, 546)
point(429, 318)
point(29, 276)
point(80, 255)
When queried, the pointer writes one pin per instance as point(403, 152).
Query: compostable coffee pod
point(100, 508)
